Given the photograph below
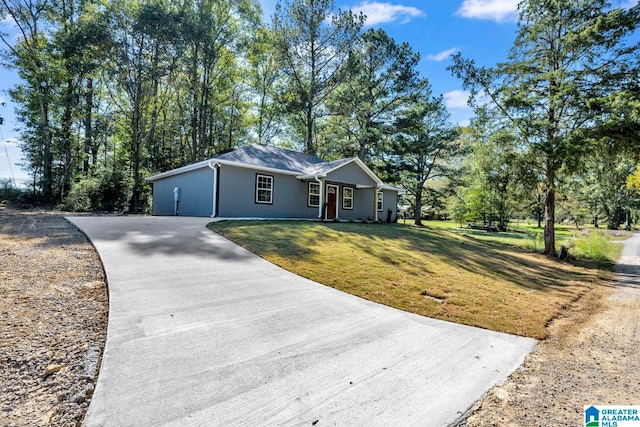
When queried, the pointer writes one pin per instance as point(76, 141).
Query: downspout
point(319, 181)
point(214, 167)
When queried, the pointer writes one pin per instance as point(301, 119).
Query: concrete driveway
point(204, 333)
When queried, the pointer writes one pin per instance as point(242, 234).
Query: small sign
point(611, 416)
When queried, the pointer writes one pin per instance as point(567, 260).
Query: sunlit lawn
point(428, 271)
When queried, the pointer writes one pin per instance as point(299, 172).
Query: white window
point(347, 198)
point(314, 194)
point(264, 189)
point(380, 200)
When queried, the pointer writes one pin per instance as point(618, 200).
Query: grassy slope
point(586, 243)
point(432, 272)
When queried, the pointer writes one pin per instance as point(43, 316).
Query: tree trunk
point(136, 142)
point(66, 139)
point(88, 129)
point(47, 159)
point(549, 223)
point(418, 212)
point(309, 146)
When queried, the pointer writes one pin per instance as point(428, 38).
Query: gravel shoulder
point(590, 358)
point(53, 319)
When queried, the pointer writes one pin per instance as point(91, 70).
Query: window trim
point(380, 200)
point(309, 194)
point(348, 198)
point(270, 190)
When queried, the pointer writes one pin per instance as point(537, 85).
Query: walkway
point(204, 333)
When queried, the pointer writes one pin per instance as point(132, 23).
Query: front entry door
point(332, 198)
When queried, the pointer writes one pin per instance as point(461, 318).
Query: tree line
point(112, 91)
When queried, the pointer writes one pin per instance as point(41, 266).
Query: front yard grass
point(585, 243)
point(431, 272)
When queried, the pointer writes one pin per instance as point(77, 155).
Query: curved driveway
point(204, 333)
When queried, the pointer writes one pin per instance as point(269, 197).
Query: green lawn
point(428, 271)
point(585, 243)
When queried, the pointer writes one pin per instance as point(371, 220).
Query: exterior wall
point(196, 193)
point(362, 205)
point(390, 201)
point(237, 193)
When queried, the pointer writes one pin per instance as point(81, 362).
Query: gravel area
point(53, 319)
point(590, 358)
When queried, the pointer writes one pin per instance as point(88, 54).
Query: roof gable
point(323, 169)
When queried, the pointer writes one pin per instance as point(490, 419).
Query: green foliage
point(423, 145)
point(380, 79)
point(314, 41)
point(105, 190)
point(569, 56)
point(595, 246)
point(15, 196)
point(493, 174)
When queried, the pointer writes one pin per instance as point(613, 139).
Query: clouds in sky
point(445, 54)
point(495, 10)
point(384, 13)
point(456, 99)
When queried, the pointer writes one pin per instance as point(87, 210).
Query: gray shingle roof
point(275, 159)
point(272, 157)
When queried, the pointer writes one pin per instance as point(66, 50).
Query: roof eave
point(205, 163)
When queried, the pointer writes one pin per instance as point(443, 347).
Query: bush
point(15, 196)
point(106, 190)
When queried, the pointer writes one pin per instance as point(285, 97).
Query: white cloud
point(384, 13)
point(456, 99)
point(445, 54)
point(496, 10)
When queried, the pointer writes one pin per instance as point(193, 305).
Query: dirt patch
point(53, 319)
point(590, 357)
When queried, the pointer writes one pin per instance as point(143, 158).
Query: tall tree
point(382, 78)
point(493, 173)
point(147, 41)
point(567, 55)
point(266, 80)
point(424, 142)
point(216, 34)
point(32, 57)
point(314, 41)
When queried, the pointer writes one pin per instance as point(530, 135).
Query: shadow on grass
point(527, 270)
point(296, 240)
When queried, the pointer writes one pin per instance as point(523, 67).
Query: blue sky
point(481, 29)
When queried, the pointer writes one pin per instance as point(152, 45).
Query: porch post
point(375, 203)
point(320, 207)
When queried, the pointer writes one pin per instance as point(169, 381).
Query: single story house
point(257, 181)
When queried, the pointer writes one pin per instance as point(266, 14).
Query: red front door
point(332, 197)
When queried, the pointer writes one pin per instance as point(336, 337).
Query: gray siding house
point(256, 181)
